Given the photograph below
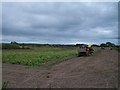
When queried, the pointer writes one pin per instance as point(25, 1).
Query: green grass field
point(38, 56)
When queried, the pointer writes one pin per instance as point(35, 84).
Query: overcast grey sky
point(62, 23)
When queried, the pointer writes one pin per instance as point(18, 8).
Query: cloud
point(60, 22)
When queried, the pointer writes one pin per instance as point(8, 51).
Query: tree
point(14, 42)
point(103, 45)
point(109, 44)
point(95, 45)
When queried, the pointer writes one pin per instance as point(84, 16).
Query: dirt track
point(97, 71)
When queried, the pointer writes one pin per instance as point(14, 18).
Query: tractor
point(85, 50)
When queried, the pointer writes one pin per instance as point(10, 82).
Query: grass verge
point(37, 58)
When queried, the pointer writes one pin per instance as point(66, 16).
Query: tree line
point(15, 45)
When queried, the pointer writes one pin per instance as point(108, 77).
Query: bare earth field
point(97, 71)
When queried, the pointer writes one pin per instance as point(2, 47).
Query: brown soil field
point(97, 71)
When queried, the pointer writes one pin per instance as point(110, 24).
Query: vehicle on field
point(85, 50)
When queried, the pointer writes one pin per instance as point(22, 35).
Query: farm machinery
point(85, 50)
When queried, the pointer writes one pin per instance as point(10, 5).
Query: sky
point(60, 22)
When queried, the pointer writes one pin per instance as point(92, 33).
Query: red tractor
point(85, 50)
